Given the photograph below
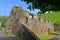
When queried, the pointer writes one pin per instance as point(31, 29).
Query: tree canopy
point(44, 5)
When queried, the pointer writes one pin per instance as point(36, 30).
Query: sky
point(6, 6)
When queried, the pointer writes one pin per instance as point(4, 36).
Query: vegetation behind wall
point(54, 17)
point(3, 20)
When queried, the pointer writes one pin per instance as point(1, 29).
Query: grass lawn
point(47, 37)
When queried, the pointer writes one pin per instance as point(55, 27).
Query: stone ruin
point(27, 25)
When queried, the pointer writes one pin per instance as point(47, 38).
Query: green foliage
point(43, 5)
point(1, 28)
point(54, 17)
point(3, 20)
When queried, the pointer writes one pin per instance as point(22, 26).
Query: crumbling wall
point(20, 22)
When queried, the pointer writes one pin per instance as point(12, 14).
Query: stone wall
point(57, 27)
point(25, 23)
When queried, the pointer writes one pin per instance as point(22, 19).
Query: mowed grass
point(54, 17)
point(47, 37)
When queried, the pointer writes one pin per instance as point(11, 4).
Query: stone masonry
point(35, 26)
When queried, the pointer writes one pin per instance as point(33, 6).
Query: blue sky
point(6, 6)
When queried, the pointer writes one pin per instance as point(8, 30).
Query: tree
point(3, 20)
point(44, 5)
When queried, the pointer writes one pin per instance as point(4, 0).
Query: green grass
point(44, 37)
point(54, 17)
point(47, 37)
point(56, 33)
point(1, 28)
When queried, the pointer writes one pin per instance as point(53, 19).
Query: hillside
point(54, 17)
